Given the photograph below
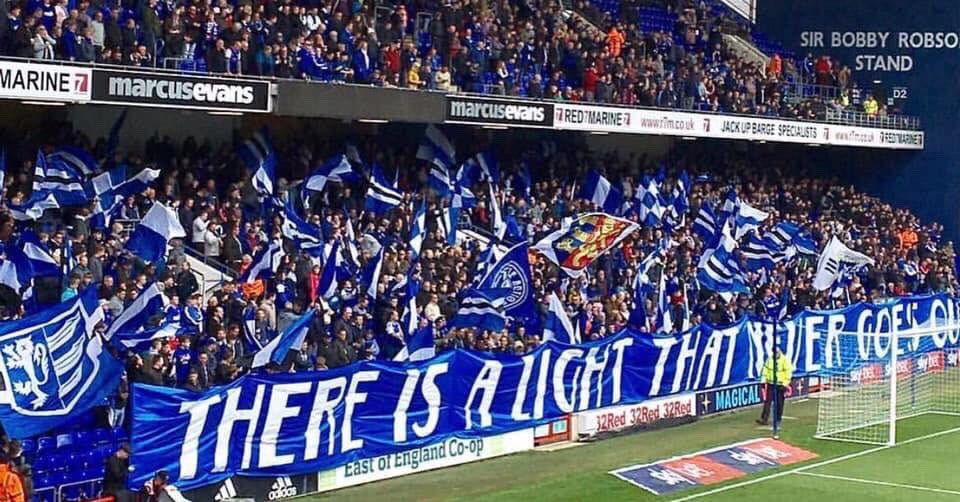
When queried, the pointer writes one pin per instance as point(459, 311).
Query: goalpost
point(865, 387)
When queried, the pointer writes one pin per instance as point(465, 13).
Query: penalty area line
point(879, 483)
point(813, 466)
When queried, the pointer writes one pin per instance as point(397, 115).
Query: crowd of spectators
point(226, 222)
point(531, 48)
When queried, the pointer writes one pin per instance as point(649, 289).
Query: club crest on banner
point(50, 366)
point(509, 276)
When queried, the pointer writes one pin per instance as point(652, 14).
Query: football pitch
point(921, 467)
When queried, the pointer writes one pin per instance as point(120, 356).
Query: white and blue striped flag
point(418, 230)
point(250, 339)
point(748, 218)
point(719, 270)
point(75, 159)
point(705, 225)
point(258, 155)
point(265, 264)
point(436, 148)
point(292, 338)
point(371, 274)
point(482, 308)
point(135, 317)
point(337, 169)
point(328, 277)
point(557, 325)
point(419, 346)
point(32, 209)
point(462, 197)
point(149, 239)
point(304, 235)
point(499, 226)
point(601, 192)
point(382, 195)
point(448, 224)
point(61, 179)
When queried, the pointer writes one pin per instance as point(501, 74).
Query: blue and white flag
point(705, 225)
point(418, 230)
point(252, 342)
point(439, 179)
point(258, 155)
point(304, 235)
point(419, 346)
point(371, 274)
point(787, 234)
point(337, 169)
point(140, 340)
point(135, 318)
point(382, 195)
point(149, 239)
point(62, 180)
point(834, 255)
point(499, 226)
point(329, 284)
point(681, 193)
point(719, 270)
point(481, 309)
point(55, 367)
point(748, 218)
point(437, 149)
point(462, 197)
point(410, 319)
point(480, 167)
point(30, 254)
point(522, 181)
point(511, 273)
point(74, 159)
point(291, 339)
point(651, 202)
point(557, 325)
point(111, 188)
point(664, 316)
point(601, 192)
point(264, 265)
point(9, 276)
point(449, 219)
point(32, 209)
point(763, 252)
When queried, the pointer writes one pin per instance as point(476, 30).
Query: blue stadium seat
point(64, 441)
point(101, 435)
point(29, 446)
point(46, 445)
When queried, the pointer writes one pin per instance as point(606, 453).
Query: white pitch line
point(881, 483)
point(813, 466)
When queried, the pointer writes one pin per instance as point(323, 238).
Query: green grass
point(581, 473)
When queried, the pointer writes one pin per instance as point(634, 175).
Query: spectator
point(115, 479)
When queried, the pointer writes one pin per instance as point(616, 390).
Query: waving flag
point(480, 167)
point(74, 159)
point(149, 239)
point(291, 339)
point(522, 182)
point(763, 252)
point(264, 265)
point(382, 195)
point(583, 239)
point(418, 230)
point(511, 273)
point(681, 193)
point(252, 342)
point(462, 197)
point(136, 316)
point(482, 309)
point(557, 325)
point(111, 188)
point(601, 192)
point(258, 155)
point(33, 208)
point(61, 179)
point(439, 179)
point(31, 255)
point(337, 169)
point(328, 277)
point(719, 270)
point(55, 366)
point(437, 149)
point(304, 235)
point(371, 274)
point(448, 224)
point(419, 346)
point(499, 226)
point(705, 225)
point(747, 219)
point(787, 234)
point(651, 202)
point(410, 319)
point(833, 256)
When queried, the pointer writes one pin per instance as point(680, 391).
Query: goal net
point(866, 387)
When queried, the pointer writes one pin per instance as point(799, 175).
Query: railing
point(896, 122)
point(58, 493)
point(857, 118)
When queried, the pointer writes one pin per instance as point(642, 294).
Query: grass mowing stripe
point(880, 483)
point(813, 466)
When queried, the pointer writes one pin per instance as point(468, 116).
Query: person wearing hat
point(115, 477)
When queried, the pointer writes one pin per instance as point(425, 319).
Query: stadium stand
point(216, 202)
point(652, 53)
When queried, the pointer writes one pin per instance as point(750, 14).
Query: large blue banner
point(285, 424)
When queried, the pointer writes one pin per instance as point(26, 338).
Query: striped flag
point(382, 195)
point(328, 277)
point(499, 226)
point(483, 309)
point(748, 218)
point(371, 274)
point(276, 350)
point(418, 230)
point(32, 209)
point(705, 225)
point(258, 155)
point(557, 325)
point(149, 239)
point(601, 192)
point(264, 265)
point(75, 159)
point(250, 339)
point(419, 346)
point(719, 270)
point(304, 235)
point(136, 316)
point(337, 169)
point(61, 179)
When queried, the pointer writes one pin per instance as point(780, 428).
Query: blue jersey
point(183, 359)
